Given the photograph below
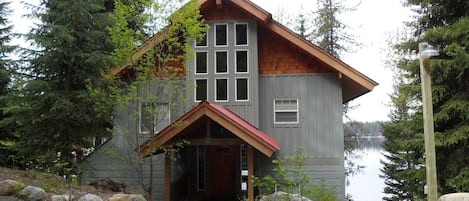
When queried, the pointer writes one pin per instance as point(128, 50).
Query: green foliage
point(291, 178)
point(445, 25)
point(156, 67)
point(49, 106)
point(7, 137)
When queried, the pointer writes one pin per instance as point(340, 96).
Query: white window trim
point(195, 91)
point(247, 34)
point(227, 89)
point(206, 44)
point(236, 89)
point(227, 62)
point(215, 35)
point(195, 63)
point(297, 112)
point(236, 61)
point(156, 131)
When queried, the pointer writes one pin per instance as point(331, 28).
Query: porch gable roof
point(229, 120)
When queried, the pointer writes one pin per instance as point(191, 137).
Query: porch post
point(167, 177)
point(250, 173)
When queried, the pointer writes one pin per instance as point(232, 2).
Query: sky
point(372, 23)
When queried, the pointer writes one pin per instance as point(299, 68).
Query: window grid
point(203, 43)
point(242, 97)
point(286, 108)
point(221, 92)
point(156, 115)
point(238, 30)
point(220, 69)
point(203, 70)
point(241, 66)
point(223, 42)
point(201, 94)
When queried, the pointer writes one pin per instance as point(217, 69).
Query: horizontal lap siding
point(319, 131)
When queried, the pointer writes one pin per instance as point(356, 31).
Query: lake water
point(367, 185)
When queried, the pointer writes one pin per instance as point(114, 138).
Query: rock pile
point(11, 190)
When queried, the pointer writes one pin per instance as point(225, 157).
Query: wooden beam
point(214, 141)
point(219, 3)
point(250, 173)
point(167, 178)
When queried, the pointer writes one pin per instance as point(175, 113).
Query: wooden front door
point(222, 171)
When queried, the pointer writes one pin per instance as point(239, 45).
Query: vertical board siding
point(319, 131)
point(117, 158)
point(248, 110)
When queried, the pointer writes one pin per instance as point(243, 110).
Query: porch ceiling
point(217, 113)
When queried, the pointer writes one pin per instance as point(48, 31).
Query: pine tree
point(6, 135)
point(330, 33)
point(53, 110)
point(444, 24)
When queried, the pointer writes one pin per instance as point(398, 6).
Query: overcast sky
point(372, 23)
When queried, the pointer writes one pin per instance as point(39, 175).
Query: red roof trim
point(244, 130)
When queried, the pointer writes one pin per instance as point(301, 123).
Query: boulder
point(90, 197)
point(9, 198)
point(62, 197)
point(109, 184)
point(455, 197)
point(277, 196)
point(8, 187)
point(31, 193)
point(127, 197)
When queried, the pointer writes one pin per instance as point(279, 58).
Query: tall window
point(221, 62)
point(200, 89)
point(201, 63)
point(201, 167)
point(241, 34)
point(242, 89)
point(153, 115)
point(221, 90)
point(221, 35)
point(242, 61)
point(286, 111)
point(201, 42)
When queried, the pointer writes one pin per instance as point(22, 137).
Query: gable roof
point(217, 113)
point(354, 83)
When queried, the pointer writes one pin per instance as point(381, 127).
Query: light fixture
point(428, 50)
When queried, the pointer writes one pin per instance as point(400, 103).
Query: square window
point(153, 115)
point(221, 90)
point(201, 63)
point(241, 34)
point(221, 32)
point(200, 90)
point(221, 62)
point(201, 42)
point(286, 111)
point(242, 61)
point(242, 89)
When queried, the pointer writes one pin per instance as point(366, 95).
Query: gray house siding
point(248, 110)
point(319, 130)
point(118, 159)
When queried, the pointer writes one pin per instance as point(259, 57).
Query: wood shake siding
point(277, 56)
point(224, 12)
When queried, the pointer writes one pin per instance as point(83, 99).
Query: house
point(261, 90)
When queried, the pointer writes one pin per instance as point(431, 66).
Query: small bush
point(291, 178)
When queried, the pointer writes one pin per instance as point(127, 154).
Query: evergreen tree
point(330, 33)
point(6, 136)
point(53, 110)
point(444, 24)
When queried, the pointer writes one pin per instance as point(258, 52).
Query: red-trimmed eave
point(232, 122)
